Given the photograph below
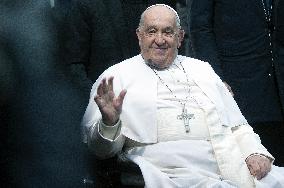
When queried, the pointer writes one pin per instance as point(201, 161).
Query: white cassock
point(211, 154)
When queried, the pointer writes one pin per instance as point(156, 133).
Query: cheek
point(146, 46)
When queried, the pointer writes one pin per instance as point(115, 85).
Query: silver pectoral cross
point(185, 117)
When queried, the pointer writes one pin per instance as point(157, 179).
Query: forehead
point(159, 16)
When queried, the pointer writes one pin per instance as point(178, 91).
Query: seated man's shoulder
point(125, 65)
point(194, 61)
point(132, 59)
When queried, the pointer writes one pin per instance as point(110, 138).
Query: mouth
point(160, 50)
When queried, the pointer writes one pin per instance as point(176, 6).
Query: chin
point(159, 58)
point(161, 63)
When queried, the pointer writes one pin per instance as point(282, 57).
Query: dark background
point(40, 110)
point(44, 93)
point(40, 105)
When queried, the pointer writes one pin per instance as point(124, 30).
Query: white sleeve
point(105, 141)
point(249, 142)
point(109, 132)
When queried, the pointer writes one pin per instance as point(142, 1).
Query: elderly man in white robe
point(174, 117)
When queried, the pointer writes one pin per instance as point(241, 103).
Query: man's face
point(159, 37)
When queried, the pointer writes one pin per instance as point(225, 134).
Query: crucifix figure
point(185, 117)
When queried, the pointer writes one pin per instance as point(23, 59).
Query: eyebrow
point(155, 27)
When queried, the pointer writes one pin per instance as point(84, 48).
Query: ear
point(138, 34)
point(180, 37)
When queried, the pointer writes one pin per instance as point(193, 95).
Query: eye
point(151, 32)
point(169, 33)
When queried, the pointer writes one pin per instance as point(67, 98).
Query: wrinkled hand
point(229, 88)
point(109, 105)
point(258, 165)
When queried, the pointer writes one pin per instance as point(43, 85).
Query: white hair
point(167, 6)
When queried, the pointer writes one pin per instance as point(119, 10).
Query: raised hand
point(109, 105)
point(258, 166)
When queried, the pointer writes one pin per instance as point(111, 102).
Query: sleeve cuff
point(260, 154)
point(109, 132)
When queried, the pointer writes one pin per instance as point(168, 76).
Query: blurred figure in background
point(102, 33)
point(40, 136)
point(243, 41)
point(181, 8)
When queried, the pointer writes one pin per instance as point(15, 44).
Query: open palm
point(109, 105)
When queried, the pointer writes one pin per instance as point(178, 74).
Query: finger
point(265, 168)
point(100, 89)
point(97, 99)
point(104, 86)
point(260, 173)
point(119, 100)
point(252, 171)
point(257, 169)
point(121, 96)
point(110, 83)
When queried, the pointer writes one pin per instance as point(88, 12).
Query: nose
point(159, 39)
